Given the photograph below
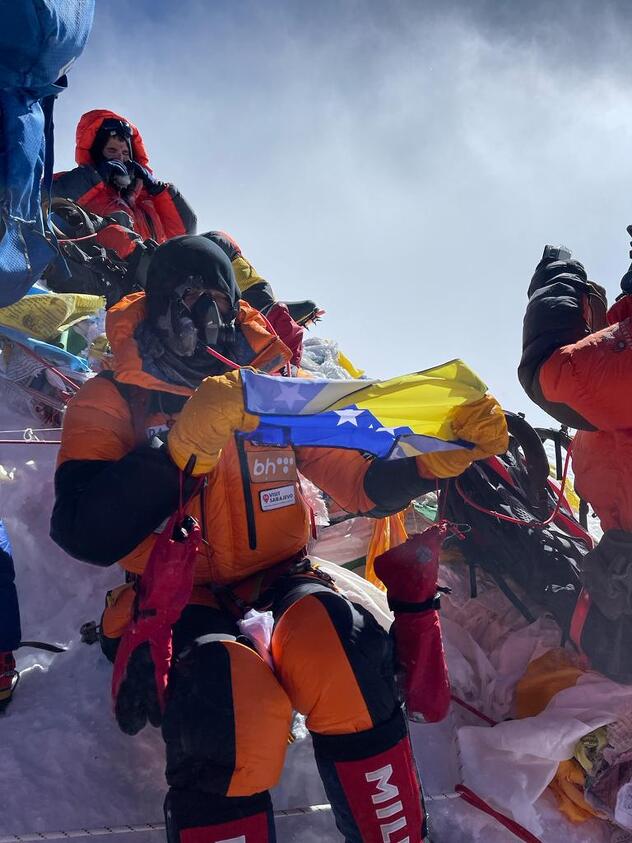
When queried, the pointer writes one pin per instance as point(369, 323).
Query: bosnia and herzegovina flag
point(402, 417)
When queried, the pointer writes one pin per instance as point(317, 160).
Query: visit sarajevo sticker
point(276, 498)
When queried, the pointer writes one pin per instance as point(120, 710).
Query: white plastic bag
point(257, 626)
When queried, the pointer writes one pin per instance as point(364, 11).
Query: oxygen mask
point(212, 327)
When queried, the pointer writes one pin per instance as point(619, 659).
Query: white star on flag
point(291, 396)
point(348, 416)
point(390, 430)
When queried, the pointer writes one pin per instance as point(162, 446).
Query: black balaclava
point(182, 264)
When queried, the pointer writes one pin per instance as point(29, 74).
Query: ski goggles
point(117, 127)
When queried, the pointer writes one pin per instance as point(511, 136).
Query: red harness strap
point(578, 620)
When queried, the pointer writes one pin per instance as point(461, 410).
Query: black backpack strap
point(43, 645)
point(138, 400)
point(536, 463)
point(81, 220)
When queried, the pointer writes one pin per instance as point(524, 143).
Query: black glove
point(137, 699)
point(150, 183)
point(572, 273)
point(114, 172)
point(569, 272)
point(626, 282)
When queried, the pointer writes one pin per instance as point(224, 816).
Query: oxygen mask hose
point(230, 363)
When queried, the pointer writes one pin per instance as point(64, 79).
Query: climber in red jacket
point(113, 177)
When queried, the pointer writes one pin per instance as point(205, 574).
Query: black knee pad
point(369, 649)
point(198, 724)
point(335, 661)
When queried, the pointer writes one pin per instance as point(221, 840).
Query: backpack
point(38, 43)
point(537, 567)
point(544, 563)
point(93, 269)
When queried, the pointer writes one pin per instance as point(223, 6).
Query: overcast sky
point(403, 163)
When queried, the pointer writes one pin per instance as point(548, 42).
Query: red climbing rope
point(473, 710)
point(77, 239)
point(511, 825)
point(519, 521)
point(53, 369)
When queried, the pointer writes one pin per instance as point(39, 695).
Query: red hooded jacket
point(595, 376)
point(159, 217)
point(582, 377)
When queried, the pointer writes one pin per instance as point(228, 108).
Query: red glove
point(410, 573)
point(287, 329)
point(143, 658)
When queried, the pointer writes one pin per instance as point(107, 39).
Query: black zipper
point(245, 482)
point(203, 509)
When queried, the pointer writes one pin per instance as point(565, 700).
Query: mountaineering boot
point(372, 784)
point(305, 311)
point(8, 679)
point(200, 817)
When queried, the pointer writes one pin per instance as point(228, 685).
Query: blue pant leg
point(10, 632)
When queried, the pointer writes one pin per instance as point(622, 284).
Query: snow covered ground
point(65, 765)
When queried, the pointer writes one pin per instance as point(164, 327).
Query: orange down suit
point(332, 661)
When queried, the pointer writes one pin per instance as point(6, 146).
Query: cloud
point(401, 162)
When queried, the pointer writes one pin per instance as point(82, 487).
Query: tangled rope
point(30, 437)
